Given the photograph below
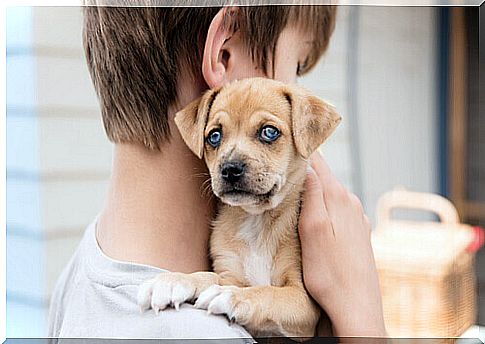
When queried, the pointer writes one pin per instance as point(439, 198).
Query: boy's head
point(141, 57)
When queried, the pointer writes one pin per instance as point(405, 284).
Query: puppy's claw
point(221, 304)
point(198, 304)
point(143, 308)
point(177, 305)
point(207, 296)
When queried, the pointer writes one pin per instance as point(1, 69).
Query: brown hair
point(135, 55)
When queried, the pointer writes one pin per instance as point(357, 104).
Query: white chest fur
point(257, 262)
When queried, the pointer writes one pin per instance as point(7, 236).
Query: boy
point(146, 64)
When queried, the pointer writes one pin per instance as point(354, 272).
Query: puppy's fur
point(257, 278)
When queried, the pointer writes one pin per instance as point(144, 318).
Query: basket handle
point(401, 198)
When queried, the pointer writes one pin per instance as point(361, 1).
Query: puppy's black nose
point(232, 171)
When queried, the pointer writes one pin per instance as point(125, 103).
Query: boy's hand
point(338, 263)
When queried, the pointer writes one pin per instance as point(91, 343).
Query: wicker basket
point(425, 268)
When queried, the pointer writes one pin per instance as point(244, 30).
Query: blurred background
point(404, 79)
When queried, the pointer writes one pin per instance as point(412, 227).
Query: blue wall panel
point(26, 308)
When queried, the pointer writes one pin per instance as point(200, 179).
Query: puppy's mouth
point(240, 196)
point(241, 192)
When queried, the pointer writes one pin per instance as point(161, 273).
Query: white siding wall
point(397, 100)
point(329, 80)
point(58, 159)
point(380, 73)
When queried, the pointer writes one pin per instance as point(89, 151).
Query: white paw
point(217, 300)
point(167, 289)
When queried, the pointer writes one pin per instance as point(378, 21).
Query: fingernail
point(310, 170)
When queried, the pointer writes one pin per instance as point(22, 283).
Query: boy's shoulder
point(95, 297)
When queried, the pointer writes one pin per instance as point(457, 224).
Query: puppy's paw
point(228, 300)
point(167, 289)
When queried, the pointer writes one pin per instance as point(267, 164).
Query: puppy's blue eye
point(269, 133)
point(214, 138)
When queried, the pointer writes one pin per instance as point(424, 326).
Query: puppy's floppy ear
point(312, 119)
point(192, 120)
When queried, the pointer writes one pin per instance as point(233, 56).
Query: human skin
point(156, 214)
point(334, 229)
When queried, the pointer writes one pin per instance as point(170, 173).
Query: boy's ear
point(192, 120)
point(218, 49)
point(312, 119)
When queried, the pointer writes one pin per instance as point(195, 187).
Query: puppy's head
point(255, 135)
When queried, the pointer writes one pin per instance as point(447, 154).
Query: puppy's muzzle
point(232, 171)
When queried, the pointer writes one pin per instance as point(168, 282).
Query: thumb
point(313, 209)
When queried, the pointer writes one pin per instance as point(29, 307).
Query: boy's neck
point(155, 213)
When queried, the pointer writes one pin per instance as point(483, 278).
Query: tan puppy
point(255, 136)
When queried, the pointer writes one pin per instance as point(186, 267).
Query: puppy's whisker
point(210, 196)
point(206, 183)
point(207, 191)
point(206, 188)
point(201, 174)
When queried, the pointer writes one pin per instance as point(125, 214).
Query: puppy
point(255, 136)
